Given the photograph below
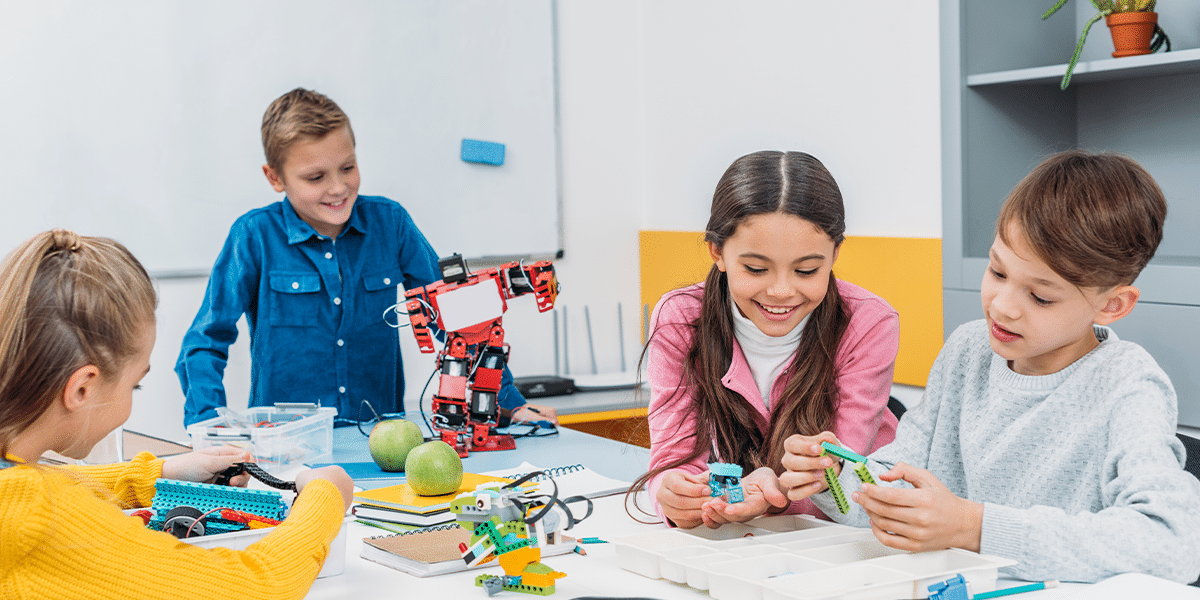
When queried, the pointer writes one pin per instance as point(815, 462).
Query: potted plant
point(1133, 24)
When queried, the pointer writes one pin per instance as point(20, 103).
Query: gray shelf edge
point(1148, 65)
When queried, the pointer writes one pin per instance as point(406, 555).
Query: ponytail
point(66, 301)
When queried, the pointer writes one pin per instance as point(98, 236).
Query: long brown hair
point(793, 183)
point(66, 301)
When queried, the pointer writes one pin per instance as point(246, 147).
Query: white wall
point(656, 99)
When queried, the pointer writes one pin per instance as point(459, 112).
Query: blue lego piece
point(954, 588)
point(725, 469)
point(734, 495)
point(478, 151)
point(725, 479)
point(170, 493)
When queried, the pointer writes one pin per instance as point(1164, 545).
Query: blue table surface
point(607, 457)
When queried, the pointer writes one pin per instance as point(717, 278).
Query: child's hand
point(929, 517)
point(333, 474)
point(681, 496)
point(205, 464)
point(761, 490)
point(805, 474)
point(535, 412)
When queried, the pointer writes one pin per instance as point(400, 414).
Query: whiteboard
point(140, 119)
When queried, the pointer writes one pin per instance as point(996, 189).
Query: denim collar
point(298, 230)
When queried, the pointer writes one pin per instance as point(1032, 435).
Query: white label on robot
point(470, 305)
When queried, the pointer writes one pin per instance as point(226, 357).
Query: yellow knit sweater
point(63, 535)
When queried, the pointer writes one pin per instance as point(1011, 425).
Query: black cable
point(553, 495)
point(532, 433)
point(256, 472)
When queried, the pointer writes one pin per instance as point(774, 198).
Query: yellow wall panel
point(671, 260)
point(907, 272)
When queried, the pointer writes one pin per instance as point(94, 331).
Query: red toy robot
point(468, 307)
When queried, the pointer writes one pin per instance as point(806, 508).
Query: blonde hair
point(298, 115)
point(66, 301)
point(1096, 219)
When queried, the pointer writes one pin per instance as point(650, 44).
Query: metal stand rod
point(587, 320)
point(554, 313)
point(645, 323)
point(621, 335)
point(566, 345)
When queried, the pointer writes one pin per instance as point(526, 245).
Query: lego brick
point(835, 488)
point(840, 452)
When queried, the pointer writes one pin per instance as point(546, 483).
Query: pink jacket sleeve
point(672, 422)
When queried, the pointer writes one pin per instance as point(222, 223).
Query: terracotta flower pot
point(1131, 32)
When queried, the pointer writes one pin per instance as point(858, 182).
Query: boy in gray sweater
point(1042, 437)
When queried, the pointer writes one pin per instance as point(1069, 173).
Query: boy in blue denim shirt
point(314, 275)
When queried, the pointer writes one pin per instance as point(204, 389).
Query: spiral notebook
point(572, 480)
point(434, 550)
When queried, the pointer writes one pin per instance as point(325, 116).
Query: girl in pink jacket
point(770, 345)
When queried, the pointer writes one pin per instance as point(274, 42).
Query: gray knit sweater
point(1079, 472)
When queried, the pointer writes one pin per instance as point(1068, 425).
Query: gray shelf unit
point(1003, 112)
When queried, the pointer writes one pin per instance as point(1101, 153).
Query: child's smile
point(1003, 334)
point(773, 312)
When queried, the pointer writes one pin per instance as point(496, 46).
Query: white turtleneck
point(767, 356)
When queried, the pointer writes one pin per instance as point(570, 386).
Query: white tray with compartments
point(796, 557)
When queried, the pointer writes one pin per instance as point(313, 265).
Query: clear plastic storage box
point(797, 557)
point(278, 435)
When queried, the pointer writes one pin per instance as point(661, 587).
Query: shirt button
point(328, 255)
point(341, 342)
point(342, 389)
point(295, 285)
point(387, 281)
point(337, 300)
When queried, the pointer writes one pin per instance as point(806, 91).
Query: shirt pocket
point(294, 298)
point(380, 290)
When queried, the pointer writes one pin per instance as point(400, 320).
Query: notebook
point(402, 497)
point(434, 550)
point(378, 513)
point(421, 552)
point(572, 480)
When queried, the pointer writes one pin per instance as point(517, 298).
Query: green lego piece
point(835, 488)
point(863, 474)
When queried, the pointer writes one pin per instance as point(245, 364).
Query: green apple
point(391, 441)
point(434, 469)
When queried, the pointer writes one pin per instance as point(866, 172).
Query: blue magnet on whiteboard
point(478, 151)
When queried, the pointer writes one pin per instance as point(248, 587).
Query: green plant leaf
point(1066, 80)
point(1053, 9)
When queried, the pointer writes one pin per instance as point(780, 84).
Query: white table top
point(598, 573)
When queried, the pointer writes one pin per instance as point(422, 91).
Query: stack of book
point(399, 508)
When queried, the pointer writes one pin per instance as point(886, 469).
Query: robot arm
point(537, 278)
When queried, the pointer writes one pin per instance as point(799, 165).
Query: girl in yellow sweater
point(76, 330)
